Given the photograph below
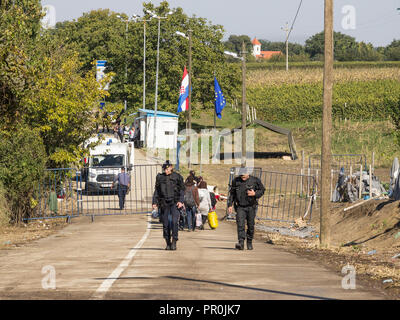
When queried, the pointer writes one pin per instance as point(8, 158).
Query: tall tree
point(392, 51)
point(107, 41)
point(345, 47)
point(19, 28)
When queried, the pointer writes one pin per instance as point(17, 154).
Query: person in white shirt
point(205, 202)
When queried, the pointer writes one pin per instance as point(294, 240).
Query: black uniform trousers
point(122, 191)
point(244, 214)
point(170, 219)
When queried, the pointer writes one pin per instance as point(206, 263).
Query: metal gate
point(101, 199)
point(65, 193)
point(55, 195)
point(287, 196)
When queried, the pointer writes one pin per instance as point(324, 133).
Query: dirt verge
point(17, 235)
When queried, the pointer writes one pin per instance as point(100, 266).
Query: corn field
point(358, 94)
point(260, 78)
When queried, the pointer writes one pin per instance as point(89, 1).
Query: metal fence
point(103, 200)
point(338, 161)
point(348, 162)
point(67, 193)
point(56, 195)
point(287, 196)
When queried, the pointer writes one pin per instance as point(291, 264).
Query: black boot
point(240, 245)
point(168, 244)
point(173, 244)
point(249, 245)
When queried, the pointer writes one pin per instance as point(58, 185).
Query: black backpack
point(188, 198)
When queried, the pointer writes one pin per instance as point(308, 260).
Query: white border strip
point(106, 285)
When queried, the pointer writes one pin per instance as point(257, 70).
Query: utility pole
point(244, 109)
point(325, 226)
point(286, 29)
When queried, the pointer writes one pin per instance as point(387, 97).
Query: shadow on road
point(223, 284)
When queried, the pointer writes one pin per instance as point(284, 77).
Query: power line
point(295, 18)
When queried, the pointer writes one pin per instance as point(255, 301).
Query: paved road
point(123, 257)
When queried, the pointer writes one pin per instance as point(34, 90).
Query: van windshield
point(107, 160)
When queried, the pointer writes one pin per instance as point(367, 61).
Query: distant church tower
point(256, 47)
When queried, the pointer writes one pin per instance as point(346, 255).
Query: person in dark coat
point(244, 194)
point(169, 196)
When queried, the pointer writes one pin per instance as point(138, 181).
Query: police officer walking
point(244, 194)
point(169, 196)
point(124, 183)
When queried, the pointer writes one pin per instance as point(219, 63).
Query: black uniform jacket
point(169, 189)
point(238, 192)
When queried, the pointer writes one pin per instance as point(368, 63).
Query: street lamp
point(126, 55)
point(153, 15)
point(136, 18)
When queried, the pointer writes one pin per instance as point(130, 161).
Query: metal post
point(190, 98)
point(126, 61)
point(370, 181)
point(325, 235)
point(360, 184)
point(155, 106)
point(144, 64)
point(244, 113)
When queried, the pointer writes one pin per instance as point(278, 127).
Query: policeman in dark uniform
point(244, 193)
point(168, 195)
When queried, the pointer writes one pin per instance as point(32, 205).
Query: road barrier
point(287, 196)
point(67, 193)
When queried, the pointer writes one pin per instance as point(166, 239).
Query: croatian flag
point(183, 103)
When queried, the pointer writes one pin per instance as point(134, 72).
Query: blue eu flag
point(220, 101)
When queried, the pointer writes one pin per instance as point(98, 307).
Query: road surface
point(123, 257)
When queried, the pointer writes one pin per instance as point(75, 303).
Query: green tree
point(366, 52)
point(19, 28)
point(234, 43)
point(107, 41)
point(392, 51)
point(345, 47)
point(22, 163)
point(64, 104)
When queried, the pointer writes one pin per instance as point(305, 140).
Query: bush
point(5, 213)
point(22, 163)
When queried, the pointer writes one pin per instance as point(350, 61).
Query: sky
point(377, 22)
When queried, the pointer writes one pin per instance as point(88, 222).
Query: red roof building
point(262, 54)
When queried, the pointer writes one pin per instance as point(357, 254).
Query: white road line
point(106, 285)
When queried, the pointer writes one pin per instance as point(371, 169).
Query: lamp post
point(244, 108)
point(136, 17)
point(189, 114)
point(126, 55)
point(158, 58)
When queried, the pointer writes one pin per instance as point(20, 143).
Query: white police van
point(105, 162)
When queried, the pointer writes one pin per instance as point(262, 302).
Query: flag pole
point(190, 98)
point(215, 110)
